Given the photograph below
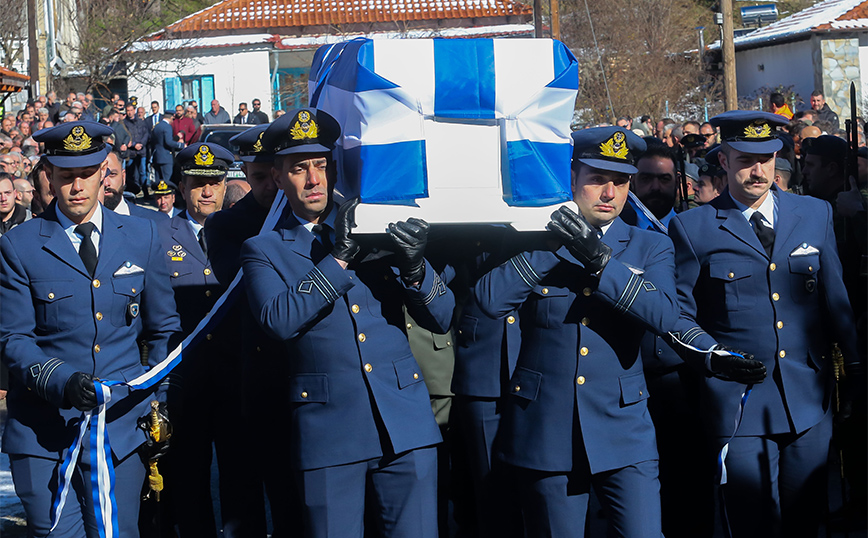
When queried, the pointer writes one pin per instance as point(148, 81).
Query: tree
point(13, 32)
point(105, 34)
point(647, 50)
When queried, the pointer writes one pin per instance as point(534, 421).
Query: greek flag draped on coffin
point(384, 92)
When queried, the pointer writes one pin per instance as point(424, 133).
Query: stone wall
point(840, 61)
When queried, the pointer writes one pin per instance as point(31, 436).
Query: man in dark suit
point(81, 287)
point(361, 424)
point(758, 270)
point(576, 415)
point(261, 117)
point(113, 187)
point(163, 145)
point(140, 134)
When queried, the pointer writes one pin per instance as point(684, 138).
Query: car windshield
point(222, 138)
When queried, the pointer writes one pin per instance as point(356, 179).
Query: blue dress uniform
point(200, 384)
point(785, 308)
point(576, 415)
point(58, 319)
point(485, 358)
point(262, 396)
point(361, 422)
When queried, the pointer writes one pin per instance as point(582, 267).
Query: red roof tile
point(260, 15)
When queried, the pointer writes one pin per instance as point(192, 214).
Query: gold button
point(545, 291)
point(175, 273)
point(99, 316)
point(810, 268)
point(782, 354)
point(355, 309)
point(96, 283)
point(415, 375)
point(731, 275)
point(586, 322)
point(586, 292)
point(409, 326)
point(510, 320)
point(448, 343)
point(780, 325)
point(304, 395)
point(583, 351)
point(640, 393)
point(51, 296)
point(208, 336)
point(134, 290)
point(362, 337)
point(368, 367)
point(207, 293)
point(207, 272)
point(517, 388)
point(772, 267)
point(775, 296)
point(580, 380)
point(96, 348)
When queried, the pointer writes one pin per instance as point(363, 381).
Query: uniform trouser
point(555, 505)
point(162, 172)
point(36, 481)
point(686, 456)
point(497, 512)
point(776, 484)
point(399, 491)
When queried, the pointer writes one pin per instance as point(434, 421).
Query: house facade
point(240, 50)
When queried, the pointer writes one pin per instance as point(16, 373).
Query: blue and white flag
point(384, 92)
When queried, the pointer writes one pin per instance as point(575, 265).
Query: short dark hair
point(656, 148)
point(777, 99)
point(155, 103)
point(815, 93)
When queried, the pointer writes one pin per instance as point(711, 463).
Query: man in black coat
point(140, 133)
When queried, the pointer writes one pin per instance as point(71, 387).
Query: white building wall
point(789, 64)
point(863, 73)
point(239, 76)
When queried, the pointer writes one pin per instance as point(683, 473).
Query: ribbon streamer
point(102, 467)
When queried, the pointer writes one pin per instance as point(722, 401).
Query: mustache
point(114, 192)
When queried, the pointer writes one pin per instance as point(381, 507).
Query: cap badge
point(78, 140)
point(162, 186)
point(257, 147)
point(204, 157)
point(615, 147)
point(304, 127)
point(758, 129)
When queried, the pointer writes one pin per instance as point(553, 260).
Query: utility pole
point(730, 100)
point(33, 48)
point(537, 18)
point(556, 19)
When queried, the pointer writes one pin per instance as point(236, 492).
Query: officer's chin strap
point(102, 467)
point(721, 457)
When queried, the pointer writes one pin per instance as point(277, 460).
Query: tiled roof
point(828, 15)
point(11, 81)
point(269, 15)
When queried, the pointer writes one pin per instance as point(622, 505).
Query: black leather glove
point(580, 238)
point(346, 248)
point(152, 449)
point(410, 237)
point(731, 367)
point(80, 391)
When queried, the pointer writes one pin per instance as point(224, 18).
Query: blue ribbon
point(102, 467)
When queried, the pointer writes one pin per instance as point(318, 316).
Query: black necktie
point(323, 233)
point(87, 250)
point(765, 234)
point(202, 244)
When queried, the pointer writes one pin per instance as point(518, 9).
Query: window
point(182, 90)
